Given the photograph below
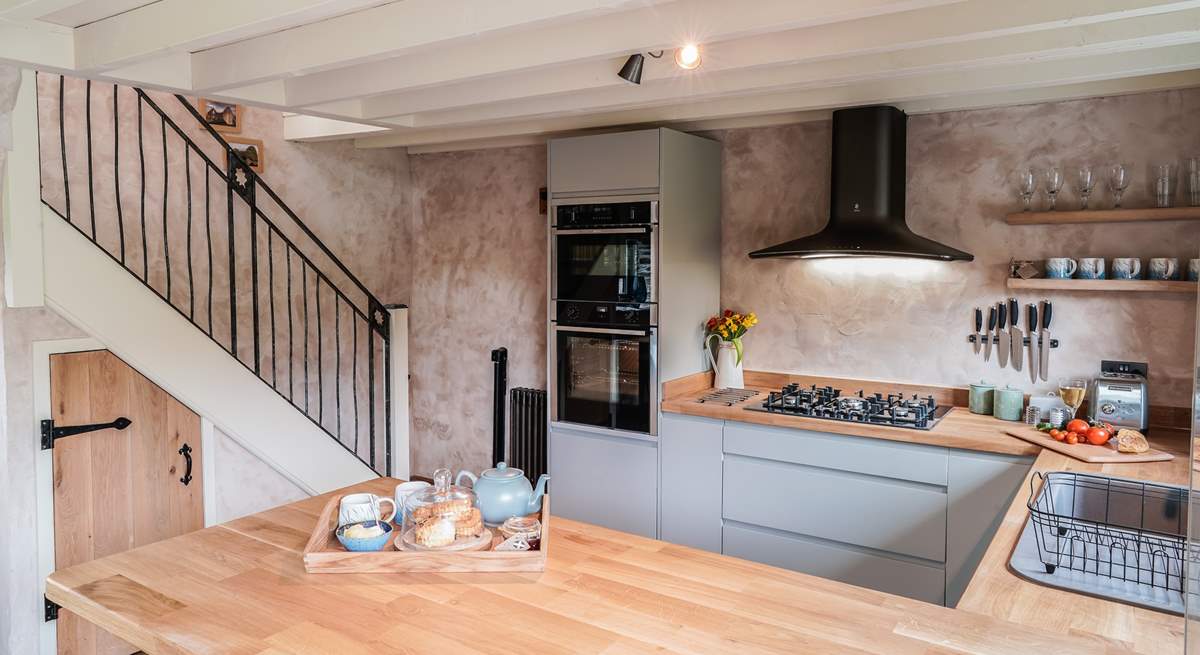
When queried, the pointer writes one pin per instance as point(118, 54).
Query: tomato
point(1058, 435)
point(1072, 438)
point(1098, 436)
point(1078, 426)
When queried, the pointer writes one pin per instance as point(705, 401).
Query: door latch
point(50, 432)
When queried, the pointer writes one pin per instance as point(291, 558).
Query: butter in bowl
point(364, 536)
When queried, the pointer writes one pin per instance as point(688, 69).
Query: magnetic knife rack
point(1025, 341)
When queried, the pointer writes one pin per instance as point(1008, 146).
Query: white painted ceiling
point(461, 73)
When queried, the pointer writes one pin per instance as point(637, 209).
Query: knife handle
point(1047, 311)
point(991, 318)
point(1002, 316)
point(1031, 317)
point(1012, 312)
point(978, 319)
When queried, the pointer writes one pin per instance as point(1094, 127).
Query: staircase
point(146, 194)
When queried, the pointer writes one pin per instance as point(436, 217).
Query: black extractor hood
point(866, 208)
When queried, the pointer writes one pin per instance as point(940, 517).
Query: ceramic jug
point(504, 492)
point(727, 367)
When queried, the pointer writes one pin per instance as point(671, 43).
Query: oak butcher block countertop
point(241, 588)
point(1099, 625)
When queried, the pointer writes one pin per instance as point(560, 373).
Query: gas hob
point(876, 409)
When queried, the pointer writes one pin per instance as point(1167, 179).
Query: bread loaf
point(1131, 441)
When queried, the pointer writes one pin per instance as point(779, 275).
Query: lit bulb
point(688, 57)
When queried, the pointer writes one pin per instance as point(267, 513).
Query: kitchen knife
point(1002, 338)
point(1044, 333)
point(987, 336)
point(1015, 337)
point(978, 329)
point(1031, 317)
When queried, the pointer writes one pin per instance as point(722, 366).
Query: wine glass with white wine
point(1072, 391)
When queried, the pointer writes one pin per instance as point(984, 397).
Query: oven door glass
point(605, 379)
point(604, 265)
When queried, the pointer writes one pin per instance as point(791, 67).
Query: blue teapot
point(504, 492)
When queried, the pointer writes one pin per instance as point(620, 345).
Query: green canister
point(980, 398)
point(1008, 404)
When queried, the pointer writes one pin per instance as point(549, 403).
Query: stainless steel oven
point(604, 251)
point(605, 377)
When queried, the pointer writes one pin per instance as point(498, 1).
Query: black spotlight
point(632, 70)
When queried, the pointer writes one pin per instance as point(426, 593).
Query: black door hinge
point(51, 609)
point(50, 432)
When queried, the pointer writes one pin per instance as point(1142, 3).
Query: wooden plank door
point(117, 489)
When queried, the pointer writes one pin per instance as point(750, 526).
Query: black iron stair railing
point(256, 280)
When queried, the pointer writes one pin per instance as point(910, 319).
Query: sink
point(1114, 538)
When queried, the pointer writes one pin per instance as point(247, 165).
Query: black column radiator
point(527, 448)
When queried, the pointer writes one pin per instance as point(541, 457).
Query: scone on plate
point(436, 533)
point(469, 524)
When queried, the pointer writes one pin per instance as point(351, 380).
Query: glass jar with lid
point(435, 517)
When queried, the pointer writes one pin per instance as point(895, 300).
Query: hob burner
point(826, 402)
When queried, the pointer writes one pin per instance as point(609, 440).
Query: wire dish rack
point(1131, 533)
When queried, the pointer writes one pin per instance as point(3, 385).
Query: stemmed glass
point(1072, 391)
point(1027, 185)
point(1118, 181)
point(1087, 182)
point(1053, 179)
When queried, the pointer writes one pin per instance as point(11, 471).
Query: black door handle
point(186, 451)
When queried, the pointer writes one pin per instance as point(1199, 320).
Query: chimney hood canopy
point(866, 209)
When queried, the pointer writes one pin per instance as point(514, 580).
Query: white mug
point(1193, 270)
point(1061, 268)
point(1091, 268)
point(356, 508)
point(1163, 268)
point(1127, 268)
point(405, 489)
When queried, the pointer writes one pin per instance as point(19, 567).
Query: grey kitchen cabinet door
point(856, 566)
point(605, 479)
point(601, 163)
point(690, 469)
point(981, 488)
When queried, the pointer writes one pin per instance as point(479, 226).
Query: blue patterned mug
point(1164, 268)
point(1194, 270)
point(1061, 268)
point(1127, 268)
point(1091, 268)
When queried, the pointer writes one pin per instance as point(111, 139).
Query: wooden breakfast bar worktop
point(994, 591)
point(240, 588)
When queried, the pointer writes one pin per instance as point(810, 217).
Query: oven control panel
point(605, 314)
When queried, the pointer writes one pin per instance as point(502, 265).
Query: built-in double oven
point(604, 313)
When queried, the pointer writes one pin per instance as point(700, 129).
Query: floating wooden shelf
point(1144, 286)
point(1104, 216)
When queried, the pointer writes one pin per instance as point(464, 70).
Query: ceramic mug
point(1127, 268)
point(1091, 268)
point(1061, 268)
point(405, 489)
point(1008, 404)
point(980, 398)
point(1164, 268)
point(356, 508)
point(1194, 270)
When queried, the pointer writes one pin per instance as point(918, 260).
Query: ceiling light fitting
point(688, 57)
point(632, 70)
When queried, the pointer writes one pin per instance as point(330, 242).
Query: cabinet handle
point(186, 451)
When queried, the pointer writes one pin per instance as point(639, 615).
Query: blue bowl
point(367, 545)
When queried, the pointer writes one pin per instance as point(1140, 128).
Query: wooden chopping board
point(1106, 454)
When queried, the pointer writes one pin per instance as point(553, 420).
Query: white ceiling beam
point(188, 25)
point(1145, 32)
point(32, 9)
point(949, 24)
point(1097, 70)
point(36, 45)
point(600, 37)
point(383, 31)
point(299, 127)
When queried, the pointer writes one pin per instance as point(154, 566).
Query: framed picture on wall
point(222, 116)
point(250, 150)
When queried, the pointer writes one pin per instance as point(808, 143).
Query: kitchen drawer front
point(891, 459)
point(605, 480)
point(604, 162)
point(875, 571)
point(690, 468)
point(874, 512)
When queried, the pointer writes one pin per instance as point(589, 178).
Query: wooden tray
point(1106, 454)
point(324, 554)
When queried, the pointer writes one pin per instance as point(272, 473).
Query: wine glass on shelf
point(1027, 179)
point(1118, 181)
point(1052, 178)
point(1071, 391)
point(1086, 182)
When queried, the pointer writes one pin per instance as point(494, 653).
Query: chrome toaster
point(1119, 395)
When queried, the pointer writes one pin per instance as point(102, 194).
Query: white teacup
point(1163, 268)
point(405, 489)
point(356, 508)
point(1127, 268)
